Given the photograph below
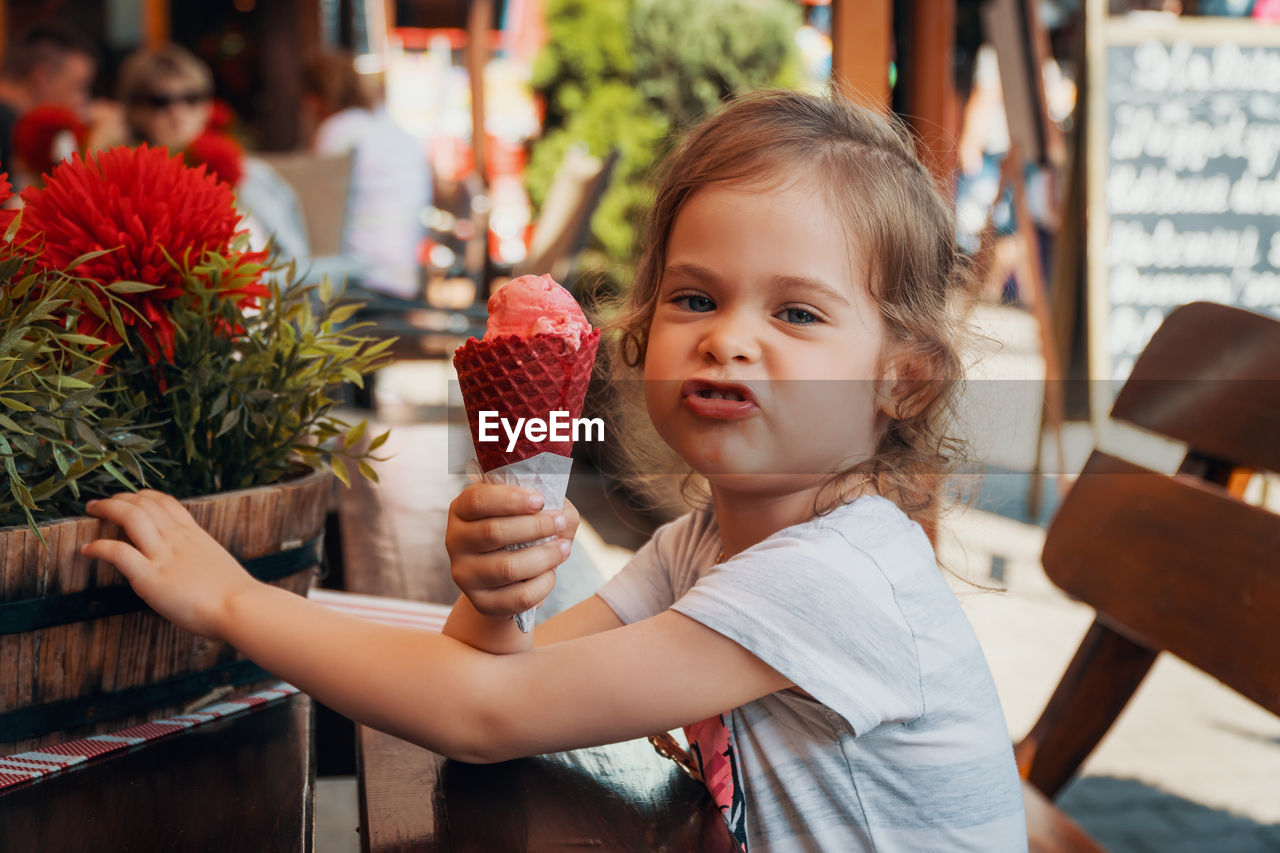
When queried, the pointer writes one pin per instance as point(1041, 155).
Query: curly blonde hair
point(891, 209)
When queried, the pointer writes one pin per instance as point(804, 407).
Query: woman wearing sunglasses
point(167, 94)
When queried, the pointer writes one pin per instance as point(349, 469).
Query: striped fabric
point(46, 761)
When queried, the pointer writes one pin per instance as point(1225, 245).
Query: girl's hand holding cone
point(487, 518)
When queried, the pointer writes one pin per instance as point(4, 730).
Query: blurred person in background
point(42, 137)
point(390, 180)
point(168, 96)
point(46, 66)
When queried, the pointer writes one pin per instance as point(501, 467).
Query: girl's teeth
point(712, 394)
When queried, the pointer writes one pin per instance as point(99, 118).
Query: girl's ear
point(889, 388)
point(904, 372)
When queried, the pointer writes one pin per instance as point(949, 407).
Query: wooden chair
point(560, 233)
point(1170, 563)
point(321, 184)
point(564, 223)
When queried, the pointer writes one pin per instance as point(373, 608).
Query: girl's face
point(765, 347)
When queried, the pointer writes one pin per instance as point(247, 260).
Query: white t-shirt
point(906, 747)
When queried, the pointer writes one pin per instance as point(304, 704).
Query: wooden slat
point(130, 650)
point(479, 17)
point(931, 95)
point(1051, 831)
point(862, 33)
point(1211, 378)
point(1175, 564)
point(619, 797)
point(155, 23)
point(1098, 683)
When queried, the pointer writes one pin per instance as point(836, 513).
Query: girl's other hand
point(171, 562)
point(483, 520)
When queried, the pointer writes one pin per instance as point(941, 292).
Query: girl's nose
point(728, 340)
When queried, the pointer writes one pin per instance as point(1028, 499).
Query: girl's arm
point(589, 616)
point(428, 688)
point(500, 636)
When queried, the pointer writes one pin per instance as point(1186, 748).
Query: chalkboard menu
point(1186, 204)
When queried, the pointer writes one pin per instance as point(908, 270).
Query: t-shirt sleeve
point(647, 584)
point(640, 590)
point(822, 613)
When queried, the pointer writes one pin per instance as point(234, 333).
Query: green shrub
point(693, 54)
point(625, 74)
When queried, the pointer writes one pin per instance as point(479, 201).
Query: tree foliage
point(625, 74)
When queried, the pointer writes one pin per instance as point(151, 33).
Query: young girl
point(789, 320)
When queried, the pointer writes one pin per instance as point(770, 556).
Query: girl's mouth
point(718, 400)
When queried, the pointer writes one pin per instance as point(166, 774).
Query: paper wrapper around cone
point(525, 378)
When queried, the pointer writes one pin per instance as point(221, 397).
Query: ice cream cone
point(522, 378)
point(525, 377)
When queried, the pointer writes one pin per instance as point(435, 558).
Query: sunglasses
point(163, 102)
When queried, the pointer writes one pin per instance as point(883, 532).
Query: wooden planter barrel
point(80, 653)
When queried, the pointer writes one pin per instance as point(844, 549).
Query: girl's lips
point(719, 400)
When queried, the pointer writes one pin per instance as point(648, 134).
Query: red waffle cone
point(522, 378)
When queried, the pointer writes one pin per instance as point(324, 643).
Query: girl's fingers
point(486, 500)
point(120, 554)
point(492, 534)
point(517, 597)
point(165, 506)
point(503, 568)
point(136, 518)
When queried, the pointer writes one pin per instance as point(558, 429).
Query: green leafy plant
point(176, 358)
point(60, 441)
point(243, 409)
point(691, 55)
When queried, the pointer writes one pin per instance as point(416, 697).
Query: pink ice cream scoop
point(535, 359)
point(536, 305)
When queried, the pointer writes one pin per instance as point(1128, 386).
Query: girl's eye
point(798, 316)
point(694, 302)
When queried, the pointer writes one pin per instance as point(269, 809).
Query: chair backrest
point(321, 184)
point(565, 219)
point(1175, 564)
point(1178, 563)
point(1210, 378)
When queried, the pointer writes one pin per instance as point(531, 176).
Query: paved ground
point(1190, 767)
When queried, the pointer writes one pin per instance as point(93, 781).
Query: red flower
point(221, 117)
point(6, 191)
point(139, 203)
point(218, 153)
point(36, 133)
